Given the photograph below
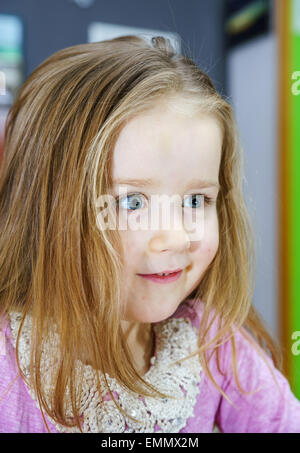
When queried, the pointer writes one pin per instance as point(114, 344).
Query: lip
point(169, 271)
point(163, 280)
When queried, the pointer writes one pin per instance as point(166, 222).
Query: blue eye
point(197, 200)
point(136, 203)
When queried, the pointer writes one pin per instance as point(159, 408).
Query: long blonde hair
point(55, 263)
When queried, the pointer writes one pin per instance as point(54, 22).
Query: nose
point(170, 241)
point(173, 236)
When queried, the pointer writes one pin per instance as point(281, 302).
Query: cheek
point(210, 246)
point(213, 246)
point(210, 252)
point(211, 242)
point(132, 244)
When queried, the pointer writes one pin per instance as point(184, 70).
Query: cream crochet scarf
point(176, 338)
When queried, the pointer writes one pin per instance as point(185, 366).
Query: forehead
point(167, 141)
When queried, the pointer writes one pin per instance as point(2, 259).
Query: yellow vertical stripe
point(283, 9)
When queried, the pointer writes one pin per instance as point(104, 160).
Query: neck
point(135, 330)
point(140, 340)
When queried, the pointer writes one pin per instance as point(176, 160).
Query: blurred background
point(250, 49)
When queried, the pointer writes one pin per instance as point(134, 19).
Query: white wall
point(252, 86)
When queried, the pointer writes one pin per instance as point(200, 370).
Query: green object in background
point(294, 322)
point(11, 39)
point(11, 56)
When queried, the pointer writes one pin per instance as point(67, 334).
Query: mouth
point(163, 277)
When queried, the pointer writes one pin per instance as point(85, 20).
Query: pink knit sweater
point(271, 409)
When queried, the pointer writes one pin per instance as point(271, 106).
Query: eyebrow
point(150, 182)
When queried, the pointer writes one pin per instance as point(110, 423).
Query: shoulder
point(235, 344)
point(18, 411)
point(193, 309)
point(260, 396)
point(11, 391)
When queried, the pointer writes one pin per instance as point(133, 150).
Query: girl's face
point(179, 154)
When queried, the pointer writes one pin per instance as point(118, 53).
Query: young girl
point(92, 338)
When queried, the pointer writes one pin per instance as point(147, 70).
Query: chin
point(156, 315)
